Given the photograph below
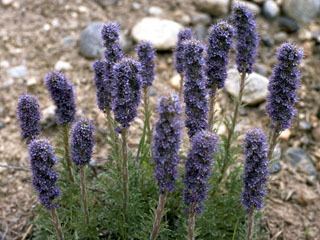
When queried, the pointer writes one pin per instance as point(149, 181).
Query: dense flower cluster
point(198, 168)
point(220, 40)
point(255, 169)
point(195, 90)
point(283, 86)
point(62, 93)
point(146, 55)
point(82, 142)
point(28, 113)
point(44, 177)
point(126, 93)
point(185, 34)
point(103, 90)
point(166, 142)
point(247, 37)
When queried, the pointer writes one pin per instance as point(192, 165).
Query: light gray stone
point(18, 71)
point(162, 33)
point(301, 10)
point(213, 7)
point(256, 88)
point(270, 9)
point(251, 6)
point(300, 160)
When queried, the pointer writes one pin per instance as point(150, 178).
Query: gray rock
point(162, 33)
point(155, 11)
point(106, 3)
point(270, 9)
point(69, 42)
point(300, 160)
point(288, 25)
point(48, 117)
point(251, 6)
point(18, 71)
point(301, 10)
point(2, 125)
point(275, 167)
point(200, 32)
point(304, 125)
point(267, 40)
point(280, 37)
point(256, 88)
point(201, 18)
point(213, 7)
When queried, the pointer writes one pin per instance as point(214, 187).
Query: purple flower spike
point(82, 142)
point(166, 142)
point(126, 93)
point(198, 168)
point(283, 85)
point(185, 34)
point(62, 94)
point(220, 40)
point(28, 114)
point(247, 37)
point(255, 169)
point(103, 88)
point(195, 90)
point(146, 56)
point(44, 177)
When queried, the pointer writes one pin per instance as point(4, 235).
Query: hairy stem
point(212, 101)
point(158, 216)
point(56, 223)
point(65, 129)
point(250, 226)
point(125, 176)
point(181, 87)
point(191, 222)
point(84, 196)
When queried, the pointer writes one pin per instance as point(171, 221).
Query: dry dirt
point(30, 36)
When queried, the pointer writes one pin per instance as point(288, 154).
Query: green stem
point(211, 106)
point(56, 224)
point(84, 196)
point(158, 216)
point(65, 129)
point(191, 222)
point(125, 175)
point(250, 226)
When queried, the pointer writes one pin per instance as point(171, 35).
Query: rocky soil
point(37, 36)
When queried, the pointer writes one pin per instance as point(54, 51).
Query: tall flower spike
point(44, 177)
point(103, 89)
point(126, 94)
point(198, 168)
point(82, 142)
point(62, 94)
point(166, 142)
point(185, 34)
point(28, 114)
point(220, 40)
point(195, 91)
point(247, 37)
point(283, 86)
point(146, 56)
point(255, 169)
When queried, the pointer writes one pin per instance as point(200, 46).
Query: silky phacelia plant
point(146, 56)
point(44, 177)
point(82, 142)
point(255, 169)
point(198, 168)
point(126, 93)
point(247, 37)
point(195, 87)
point(283, 85)
point(28, 114)
point(185, 34)
point(219, 44)
point(103, 89)
point(62, 94)
point(166, 142)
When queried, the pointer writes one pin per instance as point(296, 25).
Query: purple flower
point(82, 142)
point(255, 169)
point(126, 93)
point(166, 142)
point(110, 33)
point(28, 114)
point(198, 168)
point(185, 34)
point(283, 85)
point(103, 88)
point(195, 90)
point(44, 177)
point(146, 56)
point(62, 94)
point(247, 37)
point(220, 40)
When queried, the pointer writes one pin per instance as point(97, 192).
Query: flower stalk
point(56, 224)
point(191, 222)
point(65, 132)
point(84, 195)
point(158, 216)
point(125, 174)
point(250, 227)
